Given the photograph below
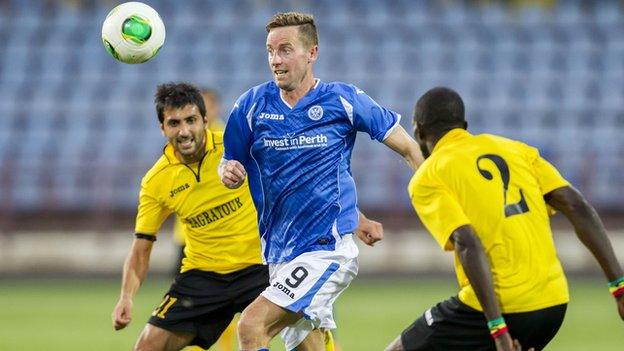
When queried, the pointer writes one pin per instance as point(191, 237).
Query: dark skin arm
point(472, 256)
point(590, 230)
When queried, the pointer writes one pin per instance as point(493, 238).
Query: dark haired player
point(222, 271)
point(488, 198)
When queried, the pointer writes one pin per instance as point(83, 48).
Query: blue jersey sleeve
point(237, 138)
point(371, 118)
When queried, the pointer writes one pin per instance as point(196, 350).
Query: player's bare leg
point(395, 345)
point(153, 338)
point(261, 321)
point(315, 341)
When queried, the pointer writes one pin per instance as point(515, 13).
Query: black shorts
point(454, 326)
point(204, 303)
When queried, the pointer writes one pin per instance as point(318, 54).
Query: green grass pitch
point(75, 314)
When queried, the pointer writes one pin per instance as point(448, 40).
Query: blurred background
point(78, 131)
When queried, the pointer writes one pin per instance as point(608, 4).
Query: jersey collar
point(311, 94)
point(451, 137)
point(169, 151)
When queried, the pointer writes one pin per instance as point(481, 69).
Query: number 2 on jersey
point(510, 209)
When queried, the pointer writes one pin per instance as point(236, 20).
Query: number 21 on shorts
point(164, 306)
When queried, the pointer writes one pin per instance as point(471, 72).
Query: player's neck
point(433, 140)
point(293, 96)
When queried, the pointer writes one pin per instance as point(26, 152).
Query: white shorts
point(309, 284)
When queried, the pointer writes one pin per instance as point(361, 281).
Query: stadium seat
point(527, 73)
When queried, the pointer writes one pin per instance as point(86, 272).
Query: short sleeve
point(547, 175)
point(237, 138)
point(437, 208)
point(369, 117)
point(151, 214)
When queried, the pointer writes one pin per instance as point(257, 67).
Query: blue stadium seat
point(529, 73)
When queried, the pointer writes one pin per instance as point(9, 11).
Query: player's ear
point(420, 130)
point(312, 53)
point(162, 129)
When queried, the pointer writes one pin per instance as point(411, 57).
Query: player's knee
point(249, 329)
point(149, 340)
point(145, 344)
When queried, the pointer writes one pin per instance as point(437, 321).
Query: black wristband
point(145, 236)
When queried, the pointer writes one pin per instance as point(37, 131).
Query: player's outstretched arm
point(406, 146)
point(232, 173)
point(134, 272)
point(474, 261)
point(590, 230)
point(369, 231)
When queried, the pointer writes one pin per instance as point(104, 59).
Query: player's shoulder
point(260, 90)
point(426, 170)
point(443, 163)
point(424, 177)
point(343, 89)
point(250, 97)
point(217, 138)
point(499, 139)
point(159, 166)
point(508, 143)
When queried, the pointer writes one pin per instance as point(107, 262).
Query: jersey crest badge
point(315, 112)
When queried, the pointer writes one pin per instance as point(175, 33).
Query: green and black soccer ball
point(133, 32)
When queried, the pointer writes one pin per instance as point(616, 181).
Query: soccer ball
point(133, 32)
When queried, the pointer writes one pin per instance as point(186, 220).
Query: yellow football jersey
point(496, 185)
point(220, 223)
point(215, 125)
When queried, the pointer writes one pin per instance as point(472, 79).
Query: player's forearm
point(361, 218)
point(475, 264)
point(133, 277)
point(400, 142)
point(413, 157)
point(591, 232)
point(588, 227)
point(135, 269)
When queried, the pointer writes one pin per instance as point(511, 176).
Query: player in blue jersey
point(292, 138)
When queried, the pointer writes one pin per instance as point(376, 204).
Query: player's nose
point(184, 130)
point(275, 60)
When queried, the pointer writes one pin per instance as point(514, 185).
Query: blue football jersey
point(298, 162)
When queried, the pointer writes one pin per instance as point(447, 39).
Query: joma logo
point(179, 189)
point(284, 289)
point(273, 116)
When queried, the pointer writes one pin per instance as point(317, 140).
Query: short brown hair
point(177, 95)
point(305, 22)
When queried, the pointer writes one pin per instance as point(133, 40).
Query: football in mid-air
point(133, 32)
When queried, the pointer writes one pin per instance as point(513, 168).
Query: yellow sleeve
point(438, 210)
point(151, 214)
point(548, 176)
